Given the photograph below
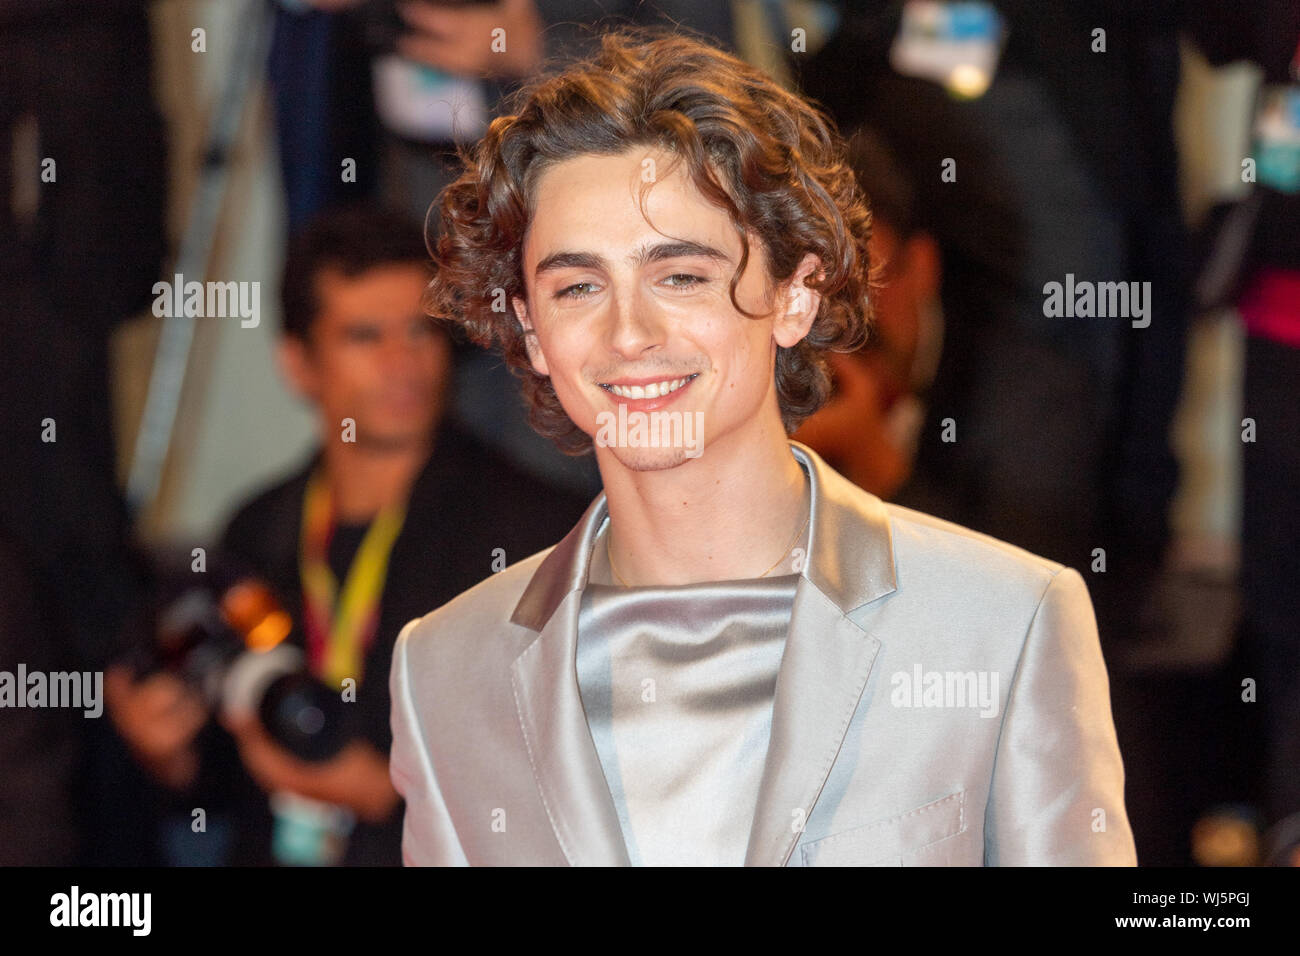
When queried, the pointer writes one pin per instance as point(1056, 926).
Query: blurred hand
point(357, 778)
point(458, 39)
point(159, 717)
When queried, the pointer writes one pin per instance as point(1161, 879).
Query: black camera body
point(226, 638)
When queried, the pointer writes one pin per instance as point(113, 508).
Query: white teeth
point(653, 390)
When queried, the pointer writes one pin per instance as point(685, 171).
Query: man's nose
point(634, 324)
point(401, 352)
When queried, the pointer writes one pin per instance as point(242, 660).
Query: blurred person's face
point(909, 273)
point(851, 431)
point(615, 303)
point(372, 356)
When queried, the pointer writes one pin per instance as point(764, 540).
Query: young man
point(736, 656)
point(395, 507)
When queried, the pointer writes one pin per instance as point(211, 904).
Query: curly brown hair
point(784, 177)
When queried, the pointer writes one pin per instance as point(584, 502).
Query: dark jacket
point(465, 503)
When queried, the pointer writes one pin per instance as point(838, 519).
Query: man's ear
point(296, 366)
point(535, 356)
point(797, 304)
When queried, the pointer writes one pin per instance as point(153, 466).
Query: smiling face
point(626, 313)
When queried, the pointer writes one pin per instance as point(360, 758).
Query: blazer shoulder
point(963, 553)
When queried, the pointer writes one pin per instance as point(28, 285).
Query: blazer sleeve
point(428, 835)
point(1057, 795)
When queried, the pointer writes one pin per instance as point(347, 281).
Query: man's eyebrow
point(646, 254)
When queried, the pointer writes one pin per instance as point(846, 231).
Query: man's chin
point(651, 459)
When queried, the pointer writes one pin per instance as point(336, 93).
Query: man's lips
point(647, 393)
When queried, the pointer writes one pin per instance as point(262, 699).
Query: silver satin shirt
point(678, 684)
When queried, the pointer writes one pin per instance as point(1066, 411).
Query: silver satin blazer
point(942, 700)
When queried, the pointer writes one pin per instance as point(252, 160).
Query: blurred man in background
point(393, 496)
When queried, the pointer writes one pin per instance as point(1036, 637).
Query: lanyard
point(340, 628)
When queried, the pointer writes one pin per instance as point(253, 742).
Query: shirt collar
point(851, 547)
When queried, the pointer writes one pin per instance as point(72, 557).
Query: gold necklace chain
point(798, 534)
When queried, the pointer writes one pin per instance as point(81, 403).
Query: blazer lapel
point(827, 658)
point(825, 667)
point(554, 723)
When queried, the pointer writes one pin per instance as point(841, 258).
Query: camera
point(226, 638)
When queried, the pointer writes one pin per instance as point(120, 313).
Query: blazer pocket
point(885, 842)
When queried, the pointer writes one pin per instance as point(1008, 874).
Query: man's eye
point(362, 334)
point(679, 280)
point(569, 293)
